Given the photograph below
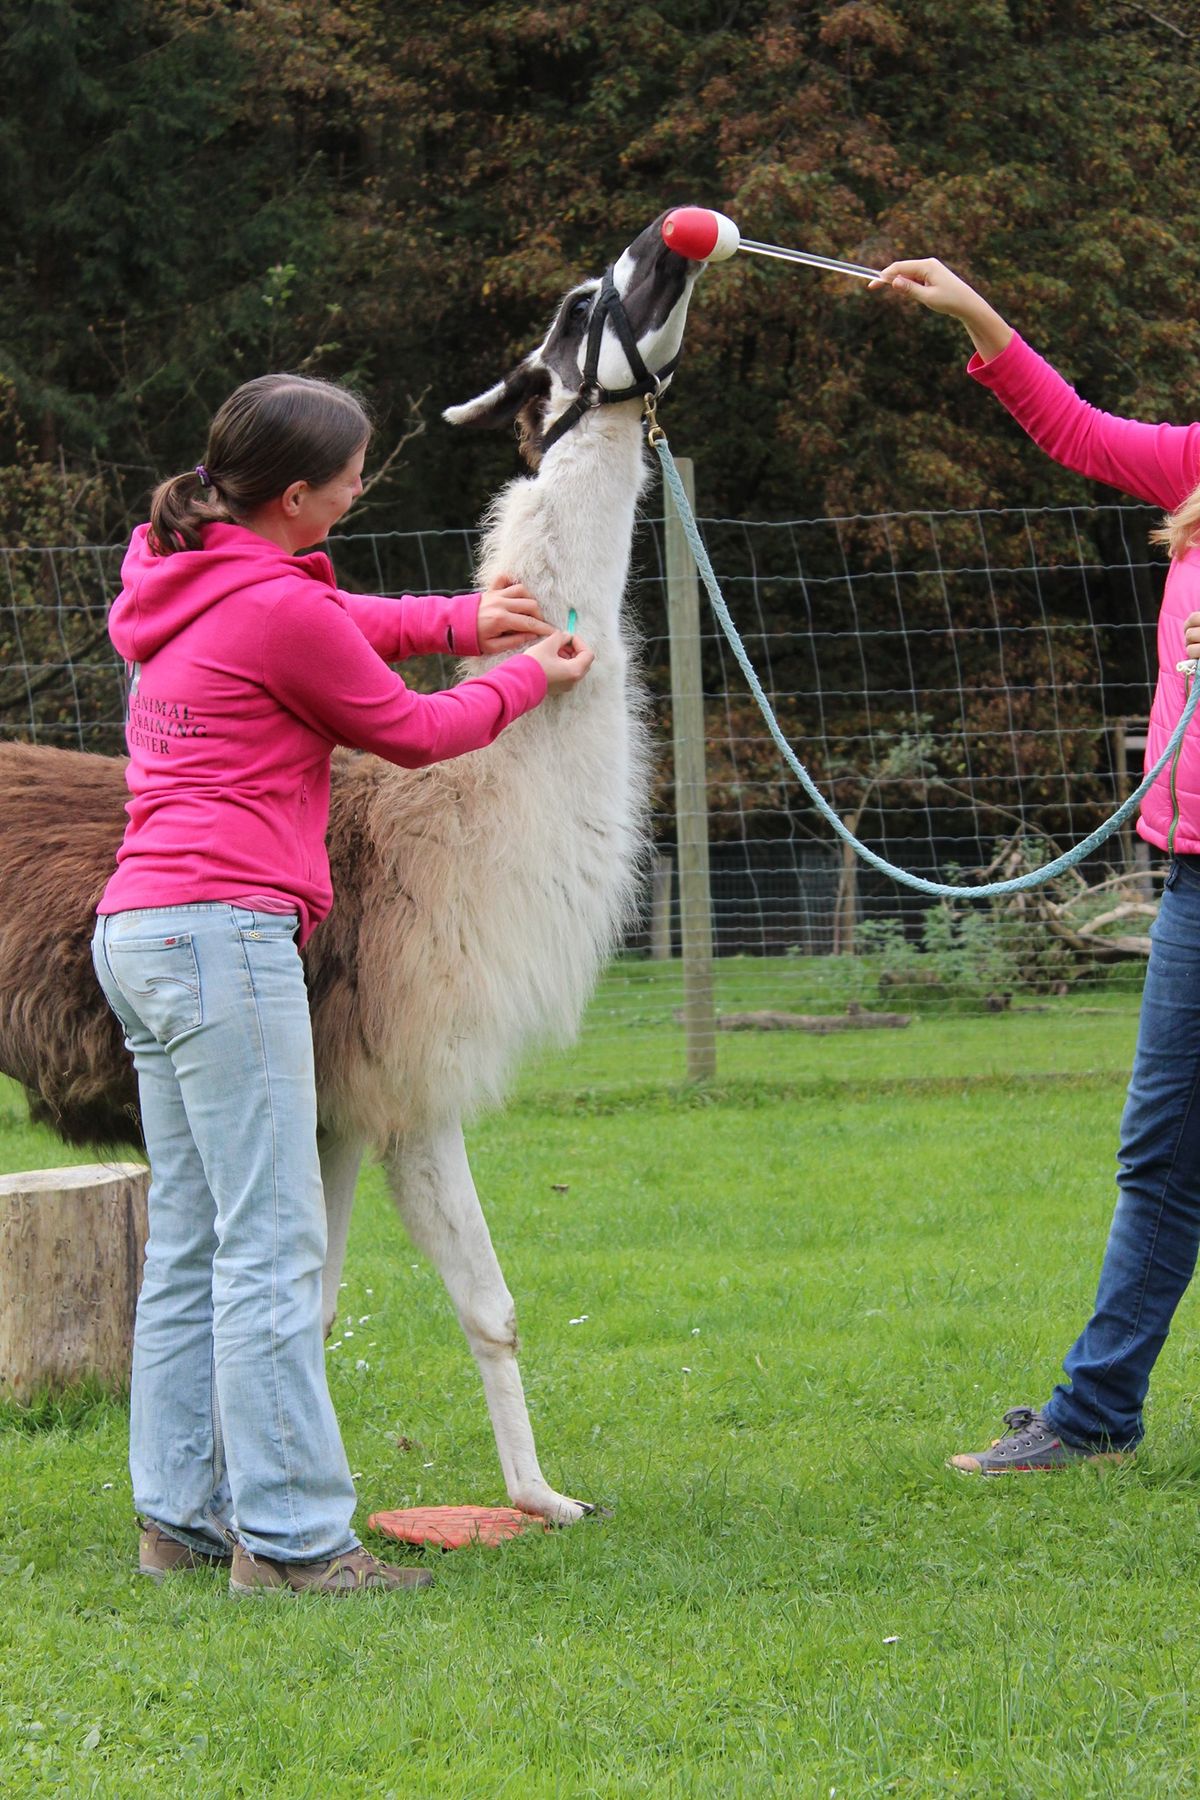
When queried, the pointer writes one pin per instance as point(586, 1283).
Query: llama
point(476, 901)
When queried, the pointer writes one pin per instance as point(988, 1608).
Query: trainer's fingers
point(916, 268)
point(527, 624)
point(897, 280)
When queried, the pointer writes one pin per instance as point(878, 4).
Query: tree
point(197, 189)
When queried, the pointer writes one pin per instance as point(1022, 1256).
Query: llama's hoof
point(557, 1509)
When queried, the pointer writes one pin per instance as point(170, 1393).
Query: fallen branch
point(1128, 909)
point(1100, 949)
point(853, 1019)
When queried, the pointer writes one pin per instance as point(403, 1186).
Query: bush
point(965, 957)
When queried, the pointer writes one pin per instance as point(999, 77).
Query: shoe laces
point(366, 1569)
point(1021, 1420)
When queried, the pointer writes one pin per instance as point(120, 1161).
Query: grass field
point(801, 1293)
point(632, 1040)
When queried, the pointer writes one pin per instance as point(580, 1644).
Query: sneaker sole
point(970, 1465)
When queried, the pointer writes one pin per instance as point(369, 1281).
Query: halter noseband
point(608, 306)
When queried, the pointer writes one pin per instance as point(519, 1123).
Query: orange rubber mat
point(455, 1527)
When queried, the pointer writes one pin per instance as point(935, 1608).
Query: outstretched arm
point(318, 663)
point(1159, 463)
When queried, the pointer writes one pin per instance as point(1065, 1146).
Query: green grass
point(632, 1038)
point(801, 1295)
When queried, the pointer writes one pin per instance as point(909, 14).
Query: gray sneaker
point(1029, 1446)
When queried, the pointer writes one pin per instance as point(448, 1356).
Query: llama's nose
point(700, 234)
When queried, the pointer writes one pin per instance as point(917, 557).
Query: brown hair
point(270, 432)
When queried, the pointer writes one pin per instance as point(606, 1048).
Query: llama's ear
point(529, 381)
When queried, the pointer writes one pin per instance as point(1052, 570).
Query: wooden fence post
point(662, 880)
point(691, 798)
point(72, 1243)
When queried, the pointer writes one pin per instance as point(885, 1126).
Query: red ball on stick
point(700, 234)
point(706, 236)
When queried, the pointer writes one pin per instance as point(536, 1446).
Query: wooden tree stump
point(72, 1243)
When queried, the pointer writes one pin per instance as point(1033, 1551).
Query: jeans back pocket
point(160, 979)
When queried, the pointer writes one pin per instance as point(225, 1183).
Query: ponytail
point(270, 432)
point(180, 507)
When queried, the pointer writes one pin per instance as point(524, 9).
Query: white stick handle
point(811, 259)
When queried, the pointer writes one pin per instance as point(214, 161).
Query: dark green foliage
point(192, 191)
point(195, 190)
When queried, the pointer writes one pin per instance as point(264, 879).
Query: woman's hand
point(565, 660)
point(1191, 635)
point(509, 618)
point(942, 291)
point(932, 283)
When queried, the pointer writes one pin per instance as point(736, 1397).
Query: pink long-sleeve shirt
point(248, 667)
point(1159, 463)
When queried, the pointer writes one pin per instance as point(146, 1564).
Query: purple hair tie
point(203, 476)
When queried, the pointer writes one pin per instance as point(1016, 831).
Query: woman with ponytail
point(247, 666)
point(1152, 1246)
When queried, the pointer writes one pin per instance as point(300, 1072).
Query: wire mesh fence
point(969, 688)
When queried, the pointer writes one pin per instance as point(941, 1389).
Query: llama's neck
point(567, 532)
point(520, 861)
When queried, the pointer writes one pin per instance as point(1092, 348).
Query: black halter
point(608, 306)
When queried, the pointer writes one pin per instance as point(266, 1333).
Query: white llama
point(475, 901)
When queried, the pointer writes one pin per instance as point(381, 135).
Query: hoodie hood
point(161, 595)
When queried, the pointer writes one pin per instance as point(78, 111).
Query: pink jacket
point(249, 665)
point(1159, 463)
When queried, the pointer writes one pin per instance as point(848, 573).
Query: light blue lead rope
point(1033, 877)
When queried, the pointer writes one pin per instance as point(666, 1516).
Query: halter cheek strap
point(608, 306)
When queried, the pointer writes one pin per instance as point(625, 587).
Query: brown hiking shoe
point(160, 1554)
point(354, 1573)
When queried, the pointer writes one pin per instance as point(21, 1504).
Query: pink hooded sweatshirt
point(1159, 463)
point(248, 667)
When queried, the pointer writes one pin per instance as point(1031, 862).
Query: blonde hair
point(1180, 529)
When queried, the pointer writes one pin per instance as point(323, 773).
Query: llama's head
point(614, 337)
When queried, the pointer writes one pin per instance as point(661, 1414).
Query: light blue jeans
point(232, 1430)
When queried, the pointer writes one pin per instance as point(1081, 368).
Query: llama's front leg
point(340, 1158)
point(435, 1193)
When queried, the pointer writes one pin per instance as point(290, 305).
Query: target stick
point(706, 236)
